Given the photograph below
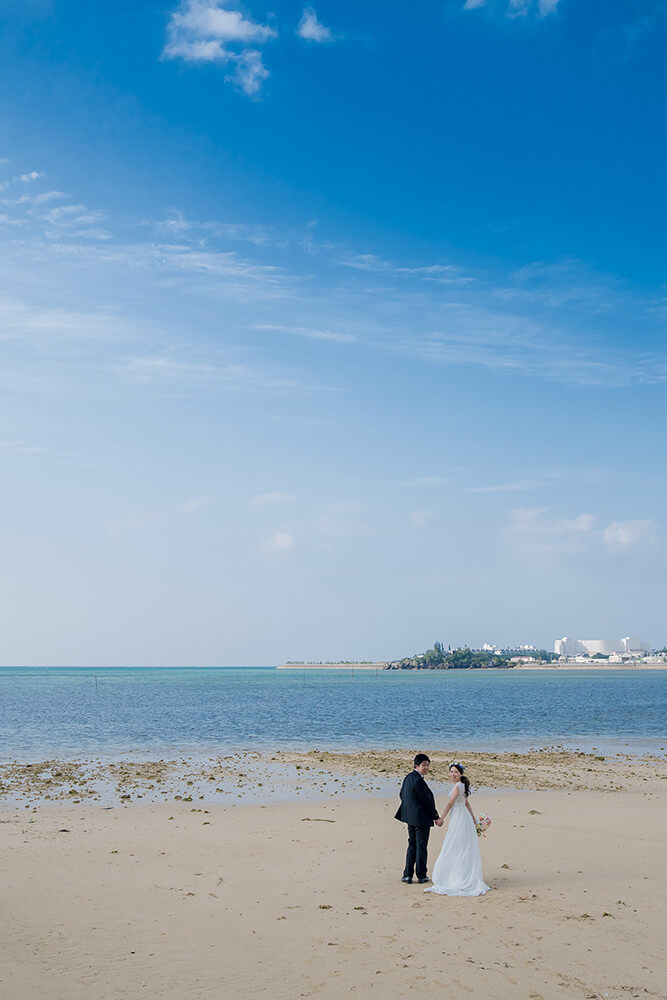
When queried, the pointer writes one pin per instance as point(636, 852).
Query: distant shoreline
point(591, 666)
point(514, 666)
point(334, 666)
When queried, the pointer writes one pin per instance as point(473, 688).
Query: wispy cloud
point(514, 344)
point(177, 225)
point(419, 518)
point(182, 372)
point(281, 541)
point(311, 28)
point(21, 448)
point(303, 331)
point(35, 199)
point(195, 505)
point(156, 517)
point(21, 320)
point(537, 535)
point(443, 273)
point(626, 534)
point(271, 499)
point(425, 482)
point(516, 8)
point(214, 31)
point(515, 486)
point(545, 319)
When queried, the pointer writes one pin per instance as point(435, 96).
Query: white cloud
point(40, 199)
point(60, 213)
point(33, 175)
point(311, 29)
point(249, 72)
point(521, 8)
point(213, 20)
point(282, 541)
point(472, 4)
point(547, 7)
point(212, 31)
point(271, 499)
point(625, 534)
point(583, 522)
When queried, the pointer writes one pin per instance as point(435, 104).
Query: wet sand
point(250, 776)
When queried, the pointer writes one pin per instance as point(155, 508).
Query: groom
point(418, 810)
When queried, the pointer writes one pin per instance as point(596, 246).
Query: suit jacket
point(417, 806)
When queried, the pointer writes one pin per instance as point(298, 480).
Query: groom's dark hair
point(420, 758)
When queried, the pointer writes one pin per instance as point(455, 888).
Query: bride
point(458, 870)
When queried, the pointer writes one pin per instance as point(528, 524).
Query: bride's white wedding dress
point(458, 869)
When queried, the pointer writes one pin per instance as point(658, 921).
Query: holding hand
point(439, 822)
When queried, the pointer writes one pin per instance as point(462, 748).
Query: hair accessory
point(456, 764)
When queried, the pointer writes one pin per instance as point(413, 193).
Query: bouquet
point(483, 824)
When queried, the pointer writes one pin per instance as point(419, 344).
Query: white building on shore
point(629, 646)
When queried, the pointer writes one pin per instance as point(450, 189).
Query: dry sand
point(304, 899)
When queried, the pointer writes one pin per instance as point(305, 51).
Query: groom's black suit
point(418, 810)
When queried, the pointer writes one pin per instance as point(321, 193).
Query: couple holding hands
point(458, 869)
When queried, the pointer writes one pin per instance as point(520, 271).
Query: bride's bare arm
point(469, 808)
point(452, 799)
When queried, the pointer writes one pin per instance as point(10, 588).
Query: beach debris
point(316, 819)
point(534, 812)
point(63, 830)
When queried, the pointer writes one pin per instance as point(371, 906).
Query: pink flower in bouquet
point(483, 824)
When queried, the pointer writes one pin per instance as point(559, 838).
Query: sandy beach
point(304, 899)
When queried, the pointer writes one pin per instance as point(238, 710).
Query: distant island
point(490, 658)
point(464, 658)
point(437, 658)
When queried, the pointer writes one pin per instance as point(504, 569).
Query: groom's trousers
point(417, 848)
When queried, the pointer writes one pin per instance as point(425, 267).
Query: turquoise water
point(46, 712)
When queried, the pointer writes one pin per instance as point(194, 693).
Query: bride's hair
point(466, 781)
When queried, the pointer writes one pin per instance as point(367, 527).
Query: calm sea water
point(46, 712)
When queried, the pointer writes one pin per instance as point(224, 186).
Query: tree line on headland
point(464, 658)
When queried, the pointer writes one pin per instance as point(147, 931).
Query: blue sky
point(328, 331)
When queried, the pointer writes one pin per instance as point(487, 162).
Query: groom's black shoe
point(422, 880)
point(406, 878)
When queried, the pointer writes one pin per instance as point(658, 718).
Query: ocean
point(74, 712)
